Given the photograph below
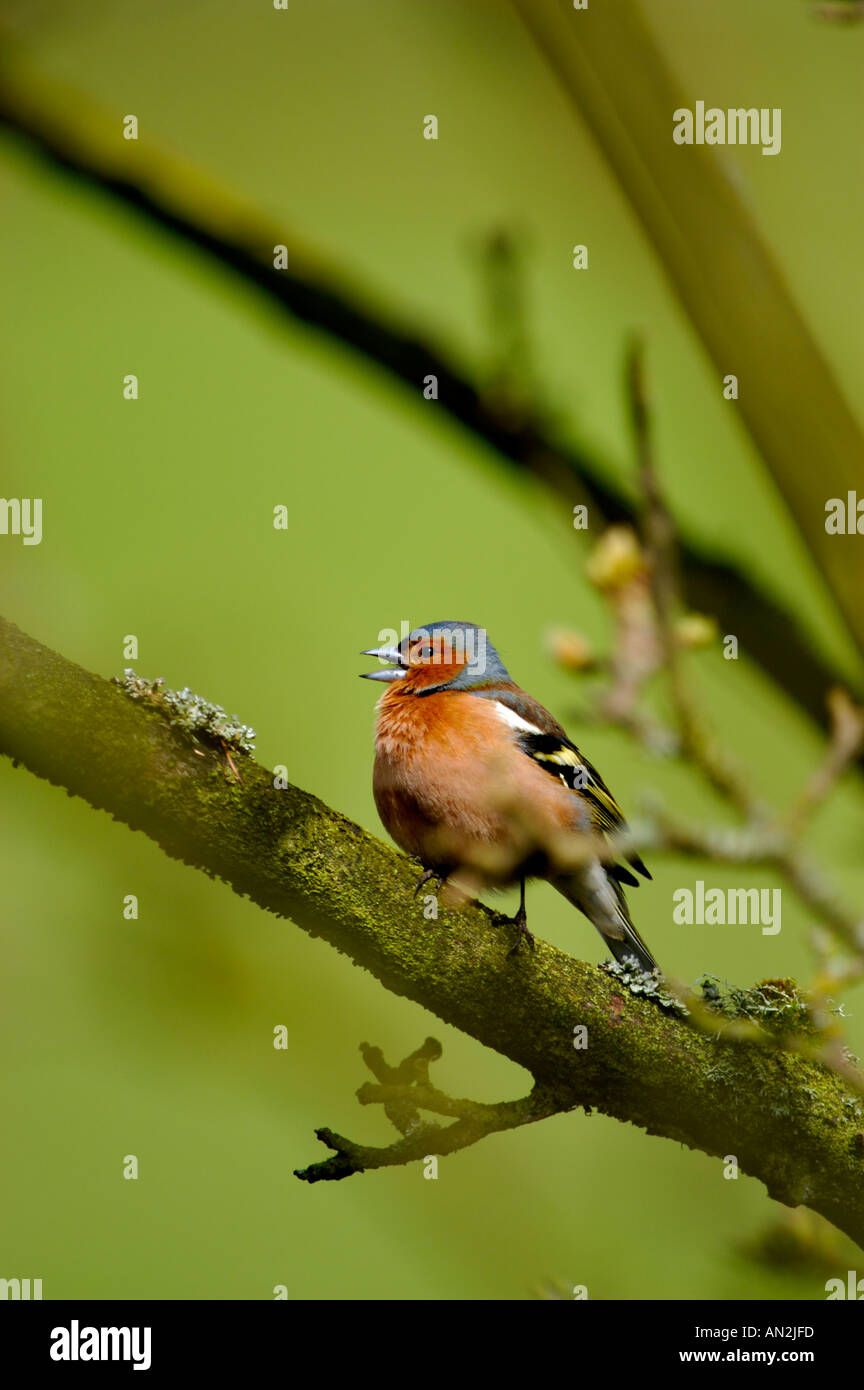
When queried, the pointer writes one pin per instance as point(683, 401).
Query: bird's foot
point(520, 923)
point(426, 877)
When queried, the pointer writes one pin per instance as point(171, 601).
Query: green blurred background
point(154, 1037)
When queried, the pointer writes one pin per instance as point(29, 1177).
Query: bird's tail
point(596, 891)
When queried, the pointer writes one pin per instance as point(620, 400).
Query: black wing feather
point(562, 759)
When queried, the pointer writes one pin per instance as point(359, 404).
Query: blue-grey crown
point(484, 663)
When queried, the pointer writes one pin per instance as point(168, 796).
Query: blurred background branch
point(84, 141)
point(652, 633)
point(723, 273)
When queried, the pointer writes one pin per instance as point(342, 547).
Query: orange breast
point(449, 778)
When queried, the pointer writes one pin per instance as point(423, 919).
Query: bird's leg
point(520, 922)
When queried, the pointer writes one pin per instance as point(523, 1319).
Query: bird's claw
point(425, 878)
point(520, 922)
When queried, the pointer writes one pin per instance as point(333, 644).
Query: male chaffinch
point(465, 759)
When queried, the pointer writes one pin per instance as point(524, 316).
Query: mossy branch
point(790, 1123)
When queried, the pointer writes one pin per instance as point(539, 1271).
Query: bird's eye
point(423, 652)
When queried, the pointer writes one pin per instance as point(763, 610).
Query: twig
point(660, 544)
point(762, 843)
point(404, 1091)
point(846, 741)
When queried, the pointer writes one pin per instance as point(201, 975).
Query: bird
point(461, 752)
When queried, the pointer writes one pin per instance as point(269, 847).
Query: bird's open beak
point(385, 654)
